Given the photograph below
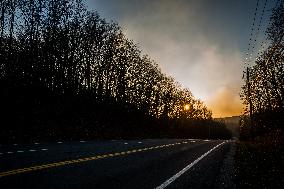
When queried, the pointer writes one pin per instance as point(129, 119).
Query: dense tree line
point(64, 68)
point(263, 92)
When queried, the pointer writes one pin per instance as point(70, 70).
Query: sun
point(186, 107)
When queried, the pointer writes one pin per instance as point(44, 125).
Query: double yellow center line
point(62, 163)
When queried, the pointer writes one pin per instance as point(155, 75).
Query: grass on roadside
point(260, 164)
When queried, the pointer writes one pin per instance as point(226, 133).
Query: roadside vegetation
point(67, 73)
point(260, 163)
point(260, 152)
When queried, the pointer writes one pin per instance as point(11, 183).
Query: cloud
point(188, 40)
point(225, 103)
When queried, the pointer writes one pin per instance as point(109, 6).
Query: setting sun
point(186, 107)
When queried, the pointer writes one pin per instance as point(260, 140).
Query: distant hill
point(232, 123)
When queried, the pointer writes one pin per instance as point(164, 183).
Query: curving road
point(151, 163)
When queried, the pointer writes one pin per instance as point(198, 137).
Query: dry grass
point(260, 163)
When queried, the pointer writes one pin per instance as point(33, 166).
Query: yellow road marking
point(62, 163)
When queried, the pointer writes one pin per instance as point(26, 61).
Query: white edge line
point(176, 176)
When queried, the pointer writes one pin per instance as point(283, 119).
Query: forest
point(67, 73)
point(260, 153)
point(263, 91)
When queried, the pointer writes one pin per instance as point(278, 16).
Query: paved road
point(152, 163)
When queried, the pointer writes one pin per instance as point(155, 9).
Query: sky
point(201, 43)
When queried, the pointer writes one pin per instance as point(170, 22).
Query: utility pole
point(250, 103)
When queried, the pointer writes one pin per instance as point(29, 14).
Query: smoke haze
point(190, 42)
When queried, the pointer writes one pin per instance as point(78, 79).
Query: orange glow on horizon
point(225, 103)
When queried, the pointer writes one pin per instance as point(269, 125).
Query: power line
point(255, 33)
point(254, 36)
point(251, 33)
point(263, 44)
point(258, 30)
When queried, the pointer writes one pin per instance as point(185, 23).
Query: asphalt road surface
point(151, 163)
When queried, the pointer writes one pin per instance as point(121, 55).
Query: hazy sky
point(201, 43)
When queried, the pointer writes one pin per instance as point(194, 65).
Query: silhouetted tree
point(62, 64)
point(266, 79)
